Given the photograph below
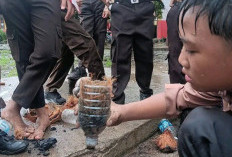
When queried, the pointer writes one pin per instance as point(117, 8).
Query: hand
point(107, 2)
point(66, 4)
point(115, 116)
point(106, 12)
point(79, 3)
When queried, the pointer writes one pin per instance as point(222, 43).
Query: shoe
point(77, 73)
point(145, 95)
point(10, 146)
point(54, 97)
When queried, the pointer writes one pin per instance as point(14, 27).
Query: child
point(205, 28)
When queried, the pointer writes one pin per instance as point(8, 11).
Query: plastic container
point(166, 124)
point(94, 111)
point(6, 127)
point(69, 117)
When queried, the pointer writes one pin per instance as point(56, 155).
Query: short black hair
point(219, 14)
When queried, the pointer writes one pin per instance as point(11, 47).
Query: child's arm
point(152, 107)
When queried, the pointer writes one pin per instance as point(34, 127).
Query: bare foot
point(12, 114)
point(43, 121)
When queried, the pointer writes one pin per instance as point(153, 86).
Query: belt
point(129, 1)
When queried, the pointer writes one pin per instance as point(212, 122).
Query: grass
point(107, 62)
point(7, 64)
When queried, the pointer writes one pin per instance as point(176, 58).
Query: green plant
point(158, 8)
point(107, 62)
point(7, 64)
point(2, 36)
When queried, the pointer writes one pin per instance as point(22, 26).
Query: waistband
point(129, 1)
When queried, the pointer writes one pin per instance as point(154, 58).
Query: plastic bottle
point(69, 117)
point(166, 124)
point(94, 110)
point(6, 127)
point(4, 124)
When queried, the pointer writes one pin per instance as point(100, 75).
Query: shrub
point(2, 36)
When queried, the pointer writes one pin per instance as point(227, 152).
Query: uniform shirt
point(179, 97)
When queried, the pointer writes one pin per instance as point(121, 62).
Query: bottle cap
point(91, 142)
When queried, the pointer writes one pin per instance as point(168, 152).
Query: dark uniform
point(75, 42)
point(34, 36)
point(174, 46)
point(132, 28)
point(94, 23)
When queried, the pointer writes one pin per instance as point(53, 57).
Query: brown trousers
point(34, 36)
point(132, 28)
point(75, 42)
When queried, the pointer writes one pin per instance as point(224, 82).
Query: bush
point(2, 36)
point(159, 5)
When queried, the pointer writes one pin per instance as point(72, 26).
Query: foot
point(43, 123)
point(11, 113)
point(10, 146)
point(54, 97)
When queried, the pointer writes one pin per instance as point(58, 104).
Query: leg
point(58, 75)
point(206, 132)
point(83, 46)
point(143, 54)
point(143, 48)
point(87, 15)
point(34, 22)
point(121, 65)
point(99, 33)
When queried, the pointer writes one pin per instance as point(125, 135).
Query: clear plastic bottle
point(69, 117)
point(165, 124)
point(6, 127)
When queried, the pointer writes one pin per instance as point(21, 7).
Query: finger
point(69, 11)
point(63, 4)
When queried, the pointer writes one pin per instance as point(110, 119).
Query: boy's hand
point(115, 116)
point(66, 4)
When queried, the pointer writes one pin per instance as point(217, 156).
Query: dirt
point(149, 149)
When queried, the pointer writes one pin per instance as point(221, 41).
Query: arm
point(152, 107)
point(168, 104)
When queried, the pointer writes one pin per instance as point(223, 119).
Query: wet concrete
point(113, 141)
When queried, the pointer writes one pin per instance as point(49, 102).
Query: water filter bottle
point(94, 110)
